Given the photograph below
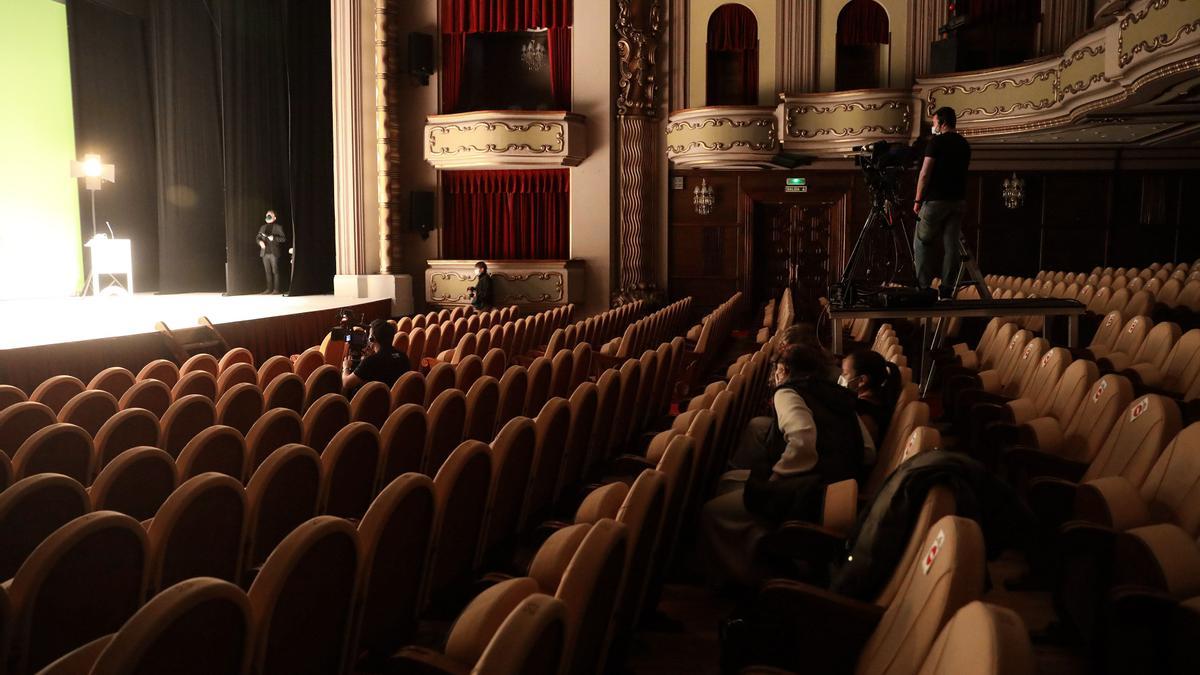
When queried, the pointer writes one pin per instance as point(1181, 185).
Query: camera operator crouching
point(379, 362)
point(940, 203)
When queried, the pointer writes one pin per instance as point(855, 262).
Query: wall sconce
point(1013, 192)
point(533, 55)
point(703, 199)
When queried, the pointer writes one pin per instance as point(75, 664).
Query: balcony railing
point(499, 139)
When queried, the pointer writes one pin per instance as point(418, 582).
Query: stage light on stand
point(108, 256)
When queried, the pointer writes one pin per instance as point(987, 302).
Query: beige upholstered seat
point(440, 378)
point(495, 362)
point(1132, 334)
point(372, 404)
point(57, 448)
point(349, 473)
point(271, 369)
point(20, 421)
point(281, 494)
point(983, 639)
point(115, 380)
point(323, 381)
point(324, 418)
point(1138, 437)
point(89, 409)
point(199, 382)
point(483, 399)
point(1178, 371)
point(1153, 350)
point(402, 442)
point(395, 535)
point(127, 429)
point(447, 415)
point(33, 508)
point(410, 388)
point(185, 418)
point(1078, 435)
point(890, 452)
point(237, 373)
point(219, 448)
point(276, 428)
point(538, 388)
point(136, 482)
point(461, 494)
point(206, 362)
point(583, 404)
point(553, 423)
point(56, 391)
point(512, 454)
point(162, 370)
point(198, 532)
point(608, 392)
point(285, 391)
point(302, 626)
point(240, 406)
point(308, 362)
point(84, 581)
point(513, 385)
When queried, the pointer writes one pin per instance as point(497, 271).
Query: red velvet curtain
point(732, 34)
point(506, 215)
point(459, 17)
point(1008, 11)
point(862, 22)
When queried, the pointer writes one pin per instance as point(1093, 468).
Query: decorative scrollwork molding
point(767, 126)
point(637, 50)
point(444, 130)
point(999, 85)
point(1158, 40)
point(901, 126)
point(512, 287)
point(1078, 86)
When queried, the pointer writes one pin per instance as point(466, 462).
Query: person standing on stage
point(940, 202)
point(270, 248)
point(482, 291)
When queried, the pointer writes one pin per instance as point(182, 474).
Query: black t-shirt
point(385, 367)
point(948, 177)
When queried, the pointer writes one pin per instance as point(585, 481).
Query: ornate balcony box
point(504, 139)
point(723, 137)
point(533, 285)
point(830, 124)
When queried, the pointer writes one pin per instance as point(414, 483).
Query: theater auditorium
point(599, 337)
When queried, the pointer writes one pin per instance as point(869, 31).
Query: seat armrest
point(422, 661)
point(1033, 463)
point(1052, 499)
point(840, 512)
point(1111, 501)
point(1022, 410)
point(1046, 433)
point(629, 465)
point(824, 631)
point(1164, 557)
point(798, 540)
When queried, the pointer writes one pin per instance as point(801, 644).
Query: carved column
point(678, 68)
point(388, 94)
point(349, 217)
point(639, 31)
point(927, 17)
point(1062, 22)
point(797, 50)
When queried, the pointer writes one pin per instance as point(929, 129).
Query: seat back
point(890, 453)
point(273, 368)
point(1157, 345)
point(151, 394)
point(1043, 378)
point(303, 599)
point(324, 418)
point(646, 384)
point(582, 364)
point(516, 628)
point(85, 580)
point(553, 423)
point(440, 378)
point(59, 448)
point(494, 363)
point(583, 405)
point(185, 418)
point(1133, 335)
point(30, 510)
point(198, 532)
point(939, 503)
point(323, 381)
point(195, 627)
point(396, 535)
point(990, 357)
point(308, 362)
point(512, 453)
point(608, 398)
point(460, 489)
point(285, 391)
point(199, 382)
point(1137, 439)
point(217, 449)
point(372, 404)
point(135, 483)
point(160, 369)
point(982, 639)
point(402, 442)
point(946, 574)
point(240, 406)
point(483, 399)
point(538, 388)
point(276, 428)
point(1089, 425)
point(56, 391)
point(631, 372)
point(349, 471)
point(447, 417)
point(409, 389)
point(283, 492)
point(127, 429)
point(238, 373)
point(513, 386)
point(468, 370)
point(1172, 489)
point(115, 380)
point(20, 421)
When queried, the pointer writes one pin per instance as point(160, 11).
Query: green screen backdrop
point(40, 251)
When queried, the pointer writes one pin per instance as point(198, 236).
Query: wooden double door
point(792, 246)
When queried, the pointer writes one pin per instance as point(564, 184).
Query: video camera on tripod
point(353, 333)
point(883, 164)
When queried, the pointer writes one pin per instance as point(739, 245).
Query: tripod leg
point(969, 268)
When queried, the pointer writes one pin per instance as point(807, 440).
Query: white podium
point(111, 257)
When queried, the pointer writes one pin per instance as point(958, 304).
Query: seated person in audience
point(750, 449)
point(816, 439)
point(876, 381)
point(380, 363)
point(482, 293)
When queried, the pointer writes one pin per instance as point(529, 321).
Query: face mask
point(843, 382)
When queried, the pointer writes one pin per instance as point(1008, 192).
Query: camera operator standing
point(380, 363)
point(940, 202)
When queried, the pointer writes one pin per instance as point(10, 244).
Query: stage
point(81, 336)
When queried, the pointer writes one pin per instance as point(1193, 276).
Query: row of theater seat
point(626, 378)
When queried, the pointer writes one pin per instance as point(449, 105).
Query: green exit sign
point(797, 181)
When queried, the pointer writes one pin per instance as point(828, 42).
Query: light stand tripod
point(885, 214)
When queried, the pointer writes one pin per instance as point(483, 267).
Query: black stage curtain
point(310, 87)
point(235, 117)
point(191, 209)
point(114, 118)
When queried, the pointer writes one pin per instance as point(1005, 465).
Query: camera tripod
point(886, 214)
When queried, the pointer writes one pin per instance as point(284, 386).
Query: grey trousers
point(939, 223)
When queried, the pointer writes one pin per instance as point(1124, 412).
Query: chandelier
point(703, 199)
point(533, 55)
point(1013, 192)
